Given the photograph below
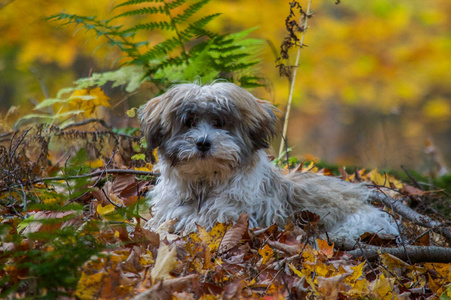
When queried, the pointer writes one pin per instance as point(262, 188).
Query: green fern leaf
point(191, 10)
point(153, 10)
point(135, 2)
point(250, 81)
point(159, 49)
point(175, 4)
point(149, 26)
point(201, 23)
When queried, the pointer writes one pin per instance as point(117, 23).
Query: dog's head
point(208, 130)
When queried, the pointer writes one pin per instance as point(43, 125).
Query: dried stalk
point(292, 82)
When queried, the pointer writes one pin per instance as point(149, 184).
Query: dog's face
point(206, 132)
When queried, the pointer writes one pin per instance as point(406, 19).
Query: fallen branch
point(410, 214)
point(416, 254)
point(84, 122)
point(93, 174)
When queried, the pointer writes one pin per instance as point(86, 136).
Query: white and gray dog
point(213, 166)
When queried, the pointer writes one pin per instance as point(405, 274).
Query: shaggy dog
point(213, 166)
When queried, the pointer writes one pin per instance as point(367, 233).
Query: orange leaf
point(324, 247)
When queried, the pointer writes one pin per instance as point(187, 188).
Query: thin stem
point(292, 82)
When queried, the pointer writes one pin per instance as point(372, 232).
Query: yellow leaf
point(147, 168)
point(109, 213)
point(96, 163)
point(105, 210)
point(358, 271)
point(359, 289)
point(444, 270)
point(384, 180)
point(131, 112)
point(266, 253)
point(309, 254)
point(88, 285)
point(146, 259)
point(164, 263)
point(214, 236)
point(324, 270)
point(393, 263)
point(382, 287)
point(301, 275)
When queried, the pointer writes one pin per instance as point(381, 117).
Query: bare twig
point(293, 81)
point(366, 258)
point(109, 200)
point(84, 122)
point(410, 214)
point(414, 181)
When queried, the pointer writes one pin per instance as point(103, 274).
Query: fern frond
point(149, 26)
point(175, 4)
point(153, 10)
point(168, 62)
point(201, 23)
point(159, 49)
point(135, 2)
point(191, 10)
point(250, 81)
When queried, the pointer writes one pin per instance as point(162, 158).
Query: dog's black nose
point(203, 144)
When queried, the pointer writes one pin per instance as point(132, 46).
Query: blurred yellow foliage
point(438, 108)
point(88, 100)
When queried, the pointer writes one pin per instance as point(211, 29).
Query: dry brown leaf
point(330, 287)
point(412, 191)
point(40, 221)
point(234, 290)
point(121, 182)
point(288, 249)
point(234, 234)
point(164, 263)
point(163, 290)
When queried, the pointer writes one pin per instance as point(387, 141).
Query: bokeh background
point(373, 86)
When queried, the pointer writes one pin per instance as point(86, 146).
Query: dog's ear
point(151, 122)
point(262, 134)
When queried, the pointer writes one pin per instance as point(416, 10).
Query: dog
point(211, 142)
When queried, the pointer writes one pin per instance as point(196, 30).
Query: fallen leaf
point(233, 236)
point(213, 237)
point(288, 249)
point(330, 287)
point(266, 253)
point(164, 263)
point(163, 290)
point(324, 248)
point(383, 287)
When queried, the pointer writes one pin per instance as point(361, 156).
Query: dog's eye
point(190, 122)
point(218, 123)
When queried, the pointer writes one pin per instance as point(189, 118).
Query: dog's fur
point(213, 166)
